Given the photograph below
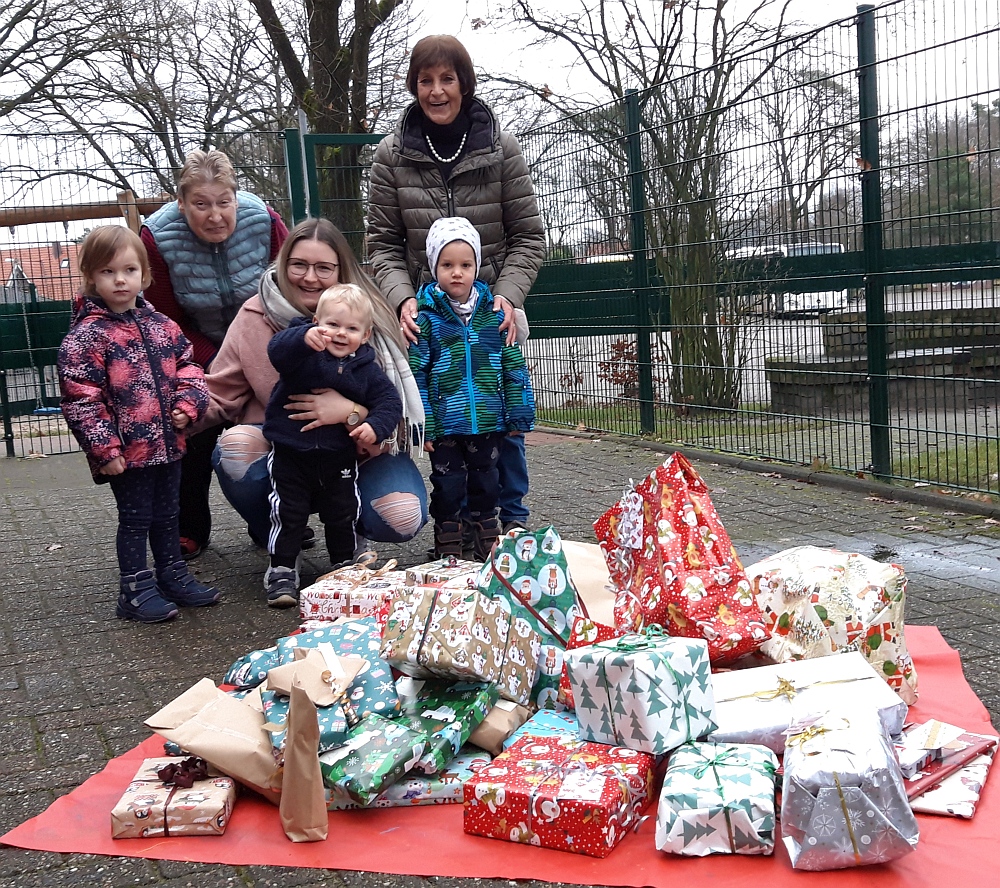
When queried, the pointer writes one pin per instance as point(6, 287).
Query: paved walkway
point(76, 684)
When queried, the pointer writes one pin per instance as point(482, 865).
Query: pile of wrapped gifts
point(748, 704)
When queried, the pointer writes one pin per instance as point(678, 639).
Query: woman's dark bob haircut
point(441, 49)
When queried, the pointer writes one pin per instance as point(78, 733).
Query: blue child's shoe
point(178, 586)
point(140, 599)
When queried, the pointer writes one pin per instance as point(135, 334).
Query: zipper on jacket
point(451, 199)
point(222, 277)
point(168, 426)
point(468, 379)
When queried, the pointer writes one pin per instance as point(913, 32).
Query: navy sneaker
point(177, 585)
point(282, 586)
point(139, 599)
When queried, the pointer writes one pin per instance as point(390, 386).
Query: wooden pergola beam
point(11, 217)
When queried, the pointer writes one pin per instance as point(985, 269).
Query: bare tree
point(332, 85)
point(693, 63)
point(40, 40)
point(805, 114)
point(169, 76)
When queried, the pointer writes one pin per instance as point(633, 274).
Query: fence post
point(640, 262)
point(296, 175)
point(8, 426)
point(871, 216)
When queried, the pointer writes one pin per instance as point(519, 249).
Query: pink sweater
point(241, 376)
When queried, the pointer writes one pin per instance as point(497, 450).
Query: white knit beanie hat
point(446, 230)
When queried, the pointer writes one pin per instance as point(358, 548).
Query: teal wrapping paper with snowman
point(529, 570)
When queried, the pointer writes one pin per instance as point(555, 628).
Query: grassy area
point(973, 467)
point(701, 427)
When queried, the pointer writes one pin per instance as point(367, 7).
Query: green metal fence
point(809, 266)
point(803, 269)
point(53, 188)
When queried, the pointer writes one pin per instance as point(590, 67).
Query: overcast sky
point(494, 48)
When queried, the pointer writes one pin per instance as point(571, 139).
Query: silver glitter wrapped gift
point(843, 800)
point(756, 705)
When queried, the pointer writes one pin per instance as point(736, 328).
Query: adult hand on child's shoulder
point(115, 467)
point(507, 324)
point(408, 319)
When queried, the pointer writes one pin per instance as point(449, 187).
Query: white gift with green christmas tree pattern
point(649, 692)
point(717, 798)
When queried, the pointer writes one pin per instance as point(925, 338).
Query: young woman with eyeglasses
point(393, 497)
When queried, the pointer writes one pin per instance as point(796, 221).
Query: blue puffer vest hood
point(212, 281)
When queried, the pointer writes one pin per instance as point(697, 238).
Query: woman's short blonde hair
point(201, 167)
point(99, 248)
point(351, 295)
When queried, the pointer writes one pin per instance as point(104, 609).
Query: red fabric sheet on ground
point(429, 841)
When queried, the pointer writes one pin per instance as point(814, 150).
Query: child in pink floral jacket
point(129, 388)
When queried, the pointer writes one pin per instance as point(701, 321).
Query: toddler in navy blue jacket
point(316, 470)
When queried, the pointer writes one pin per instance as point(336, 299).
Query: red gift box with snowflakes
point(560, 793)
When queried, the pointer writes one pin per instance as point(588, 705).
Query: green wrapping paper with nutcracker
point(529, 569)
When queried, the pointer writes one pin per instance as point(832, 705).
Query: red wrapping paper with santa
point(671, 562)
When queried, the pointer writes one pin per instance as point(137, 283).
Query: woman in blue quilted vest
point(207, 252)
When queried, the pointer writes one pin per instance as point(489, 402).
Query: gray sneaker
point(282, 586)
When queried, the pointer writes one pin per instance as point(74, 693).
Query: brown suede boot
point(487, 532)
point(448, 539)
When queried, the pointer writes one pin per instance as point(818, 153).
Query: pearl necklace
point(441, 159)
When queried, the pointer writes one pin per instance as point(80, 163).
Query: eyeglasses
point(323, 270)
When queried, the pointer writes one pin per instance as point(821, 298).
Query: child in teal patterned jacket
point(475, 388)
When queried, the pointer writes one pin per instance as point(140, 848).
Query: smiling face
point(323, 271)
point(439, 94)
point(346, 327)
point(210, 211)
point(456, 270)
point(119, 282)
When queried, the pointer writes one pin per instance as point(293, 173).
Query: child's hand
point(318, 337)
point(428, 446)
point(364, 434)
point(179, 418)
point(115, 467)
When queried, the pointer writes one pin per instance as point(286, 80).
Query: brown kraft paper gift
point(303, 802)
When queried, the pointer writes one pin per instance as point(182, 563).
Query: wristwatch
point(354, 418)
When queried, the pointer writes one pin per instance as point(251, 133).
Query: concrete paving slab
point(76, 683)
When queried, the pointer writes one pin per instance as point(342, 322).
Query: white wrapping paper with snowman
point(461, 634)
point(530, 571)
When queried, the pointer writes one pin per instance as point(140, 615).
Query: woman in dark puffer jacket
point(449, 157)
